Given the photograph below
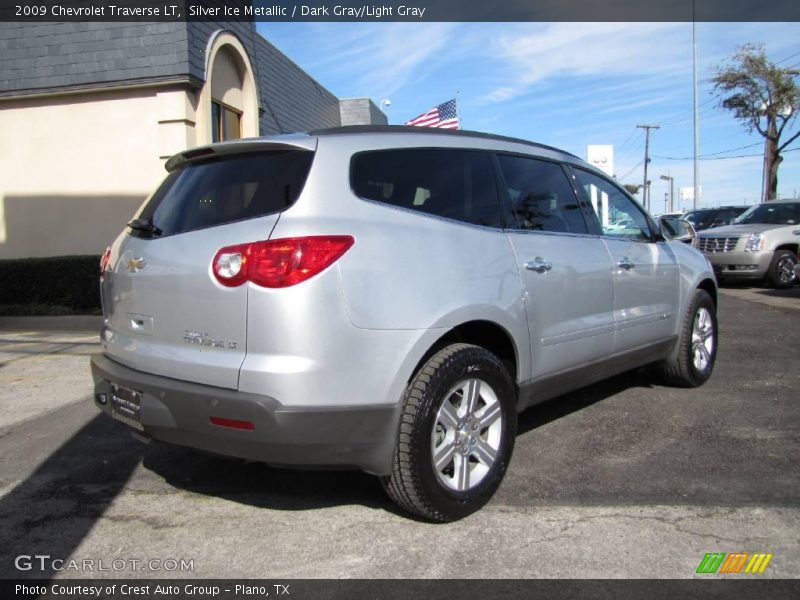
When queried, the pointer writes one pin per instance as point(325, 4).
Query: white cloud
point(535, 53)
point(379, 59)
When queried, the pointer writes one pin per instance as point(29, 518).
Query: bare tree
point(765, 98)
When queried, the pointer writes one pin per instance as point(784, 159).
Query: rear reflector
point(232, 423)
point(278, 263)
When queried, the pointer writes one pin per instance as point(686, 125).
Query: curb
point(67, 323)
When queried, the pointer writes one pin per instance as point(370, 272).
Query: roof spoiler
point(295, 141)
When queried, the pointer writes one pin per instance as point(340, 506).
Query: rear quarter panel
point(407, 270)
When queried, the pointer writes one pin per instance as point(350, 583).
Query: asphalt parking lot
point(627, 478)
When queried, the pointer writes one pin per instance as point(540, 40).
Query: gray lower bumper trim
point(179, 412)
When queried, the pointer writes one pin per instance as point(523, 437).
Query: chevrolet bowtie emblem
point(136, 264)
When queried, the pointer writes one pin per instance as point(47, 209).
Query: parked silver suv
point(761, 244)
point(387, 299)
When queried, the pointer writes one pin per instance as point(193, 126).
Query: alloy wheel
point(785, 270)
point(702, 340)
point(466, 435)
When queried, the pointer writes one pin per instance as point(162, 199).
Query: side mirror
point(679, 230)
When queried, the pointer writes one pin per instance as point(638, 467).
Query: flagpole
point(458, 108)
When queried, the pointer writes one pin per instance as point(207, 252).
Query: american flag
point(444, 116)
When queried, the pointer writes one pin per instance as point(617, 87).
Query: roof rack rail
point(452, 132)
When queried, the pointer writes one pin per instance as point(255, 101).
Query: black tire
point(415, 484)
point(681, 369)
point(780, 274)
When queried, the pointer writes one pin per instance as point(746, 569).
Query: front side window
point(540, 195)
point(619, 216)
point(456, 184)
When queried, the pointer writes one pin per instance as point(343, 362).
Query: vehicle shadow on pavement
point(761, 288)
point(561, 406)
point(792, 292)
point(260, 485)
point(58, 504)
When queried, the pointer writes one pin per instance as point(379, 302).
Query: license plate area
point(126, 406)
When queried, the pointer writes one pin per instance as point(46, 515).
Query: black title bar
point(402, 10)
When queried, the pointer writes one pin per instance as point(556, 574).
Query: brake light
point(278, 263)
point(105, 260)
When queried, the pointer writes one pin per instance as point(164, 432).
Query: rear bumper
point(179, 412)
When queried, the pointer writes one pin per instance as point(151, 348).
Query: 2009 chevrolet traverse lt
point(388, 299)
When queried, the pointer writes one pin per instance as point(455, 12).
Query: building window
point(226, 122)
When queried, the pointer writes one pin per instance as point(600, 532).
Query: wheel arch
point(487, 334)
point(709, 286)
point(792, 247)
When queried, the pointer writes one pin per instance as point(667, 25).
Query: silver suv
point(761, 244)
point(387, 299)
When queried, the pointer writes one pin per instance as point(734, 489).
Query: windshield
point(783, 213)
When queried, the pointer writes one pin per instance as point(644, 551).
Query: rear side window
point(541, 196)
point(457, 184)
point(227, 189)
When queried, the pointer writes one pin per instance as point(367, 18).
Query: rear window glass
point(456, 184)
point(224, 190)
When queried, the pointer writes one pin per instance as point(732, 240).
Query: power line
point(627, 140)
point(636, 166)
point(711, 157)
point(682, 115)
point(733, 149)
point(625, 155)
point(787, 58)
point(705, 112)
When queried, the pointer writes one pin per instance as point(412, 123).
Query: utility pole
point(645, 194)
point(696, 114)
point(671, 180)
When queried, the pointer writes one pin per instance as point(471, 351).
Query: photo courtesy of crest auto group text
point(315, 300)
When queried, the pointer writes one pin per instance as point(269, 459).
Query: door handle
point(625, 263)
point(539, 265)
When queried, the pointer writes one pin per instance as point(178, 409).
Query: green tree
point(632, 188)
point(765, 98)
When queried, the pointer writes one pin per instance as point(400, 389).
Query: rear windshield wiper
point(144, 225)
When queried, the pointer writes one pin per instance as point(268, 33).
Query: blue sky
point(564, 84)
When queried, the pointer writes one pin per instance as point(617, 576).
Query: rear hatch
point(165, 313)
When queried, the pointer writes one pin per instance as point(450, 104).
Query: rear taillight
point(278, 263)
point(105, 260)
